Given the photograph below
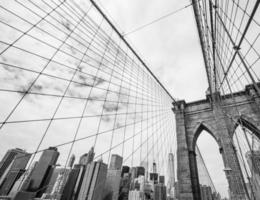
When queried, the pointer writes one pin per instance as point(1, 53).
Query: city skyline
point(75, 181)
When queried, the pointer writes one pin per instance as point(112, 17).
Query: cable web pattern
point(229, 35)
point(68, 80)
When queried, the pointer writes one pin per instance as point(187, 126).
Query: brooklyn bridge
point(84, 117)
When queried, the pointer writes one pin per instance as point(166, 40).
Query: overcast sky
point(170, 47)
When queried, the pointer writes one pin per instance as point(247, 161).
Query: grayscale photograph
point(130, 99)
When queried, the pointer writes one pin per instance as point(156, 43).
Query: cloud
point(92, 81)
point(66, 23)
point(110, 107)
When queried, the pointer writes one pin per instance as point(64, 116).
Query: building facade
point(93, 181)
point(15, 171)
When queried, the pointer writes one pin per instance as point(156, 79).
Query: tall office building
point(125, 169)
point(124, 187)
point(171, 175)
point(138, 188)
point(116, 162)
point(72, 160)
point(154, 167)
point(16, 169)
point(77, 187)
point(154, 178)
point(141, 182)
point(160, 192)
point(93, 182)
point(69, 192)
point(7, 160)
point(113, 179)
point(148, 189)
point(145, 165)
point(53, 179)
point(23, 181)
point(5, 173)
point(133, 173)
point(84, 160)
point(133, 176)
point(162, 180)
point(42, 173)
point(140, 171)
point(111, 190)
point(59, 184)
point(88, 157)
point(58, 180)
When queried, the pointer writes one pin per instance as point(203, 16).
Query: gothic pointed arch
point(202, 126)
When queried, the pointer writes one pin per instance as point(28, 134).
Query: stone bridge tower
point(214, 115)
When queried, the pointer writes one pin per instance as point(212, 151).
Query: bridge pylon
point(219, 116)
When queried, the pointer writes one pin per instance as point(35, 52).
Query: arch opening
point(246, 139)
point(210, 166)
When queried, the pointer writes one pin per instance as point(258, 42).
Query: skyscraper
point(72, 160)
point(77, 187)
point(125, 169)
point(88, 157)
point(42, 173)
point(162, 179)
point(171, 175)
point(7, 160)
point(160, 192)
point(140, 171)
point(93, 182)
point(133, 173)
point(58, 180)
point(148, 189)
point(59, 184)
point(154, 178)
point(68, 192)
point(116, 162)
point(154, 168)
point(145, 165)
point(16, 169)
point(52, 181)
point(23, 181)
point(111, 190)
point(124, 187)
point(84, 160)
